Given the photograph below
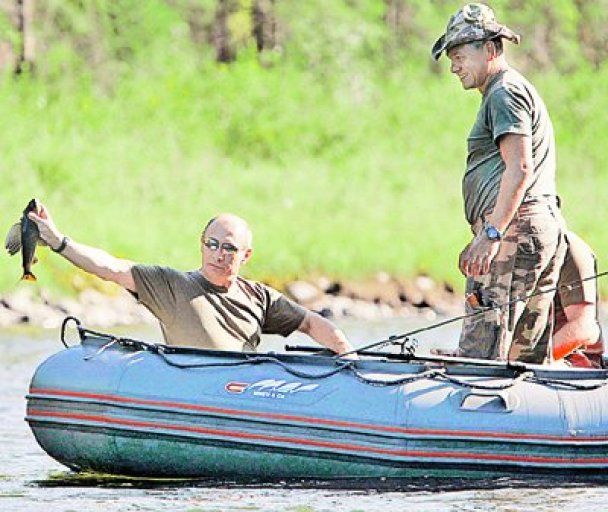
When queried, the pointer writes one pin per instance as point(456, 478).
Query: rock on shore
point(91, 307)
point(382, 297)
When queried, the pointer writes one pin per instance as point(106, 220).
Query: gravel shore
point(379, 298)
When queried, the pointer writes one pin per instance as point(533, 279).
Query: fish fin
point(28, 276)
point(42, 243)
point(35, 260)
point(13, 239)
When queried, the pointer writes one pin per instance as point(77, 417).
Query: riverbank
point(381, 297)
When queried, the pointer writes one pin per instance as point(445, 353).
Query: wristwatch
point(491, 232)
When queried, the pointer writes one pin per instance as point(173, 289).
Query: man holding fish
point(211, 307)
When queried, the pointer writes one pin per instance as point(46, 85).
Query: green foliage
point(344, 150)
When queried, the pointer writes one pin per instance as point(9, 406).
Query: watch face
point(492, 233)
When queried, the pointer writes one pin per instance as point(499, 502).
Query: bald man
point(211, 307)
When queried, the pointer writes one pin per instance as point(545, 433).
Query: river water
point(31, 481)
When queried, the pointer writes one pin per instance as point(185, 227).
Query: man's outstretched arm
point(581, 329)
point(89, 259)
point(326, 333)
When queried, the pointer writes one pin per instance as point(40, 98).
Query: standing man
point(509, 195)
point(211, 307)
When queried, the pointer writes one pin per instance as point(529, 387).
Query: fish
point(24, 236)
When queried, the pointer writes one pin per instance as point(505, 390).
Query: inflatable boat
point(127, 407)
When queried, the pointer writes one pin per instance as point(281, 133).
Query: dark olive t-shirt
point(510, 104)
point(194, 312)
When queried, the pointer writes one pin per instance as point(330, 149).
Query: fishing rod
point(392, 340)
point(410, 355)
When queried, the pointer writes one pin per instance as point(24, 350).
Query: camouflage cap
point(474, 22)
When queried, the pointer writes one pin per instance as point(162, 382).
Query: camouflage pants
point(529, 260)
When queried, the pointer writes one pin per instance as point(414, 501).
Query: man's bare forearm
point(324, 332)
point(92, 260)
point(581, 329)
point(512, 191)
point(98, 262)
point(516, 152)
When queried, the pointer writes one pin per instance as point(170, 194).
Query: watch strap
point(62, 245)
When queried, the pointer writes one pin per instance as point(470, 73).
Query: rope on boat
point(440, 374)
point(525, 376)
point(163, 351)
point(429, 374)
point(566, 384)
point(251, 360)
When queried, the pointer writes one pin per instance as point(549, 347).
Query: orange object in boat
point(563, 349)
point(578, 360)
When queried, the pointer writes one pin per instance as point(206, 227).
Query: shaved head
point(225, 246)
point(233, 224)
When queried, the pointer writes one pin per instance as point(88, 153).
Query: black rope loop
point(64, 326)
point(428, 374)
point(566, 384)
point(487, 387)
point(252, 360)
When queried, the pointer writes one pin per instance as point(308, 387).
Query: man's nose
point(453, 67)
point(223, 255)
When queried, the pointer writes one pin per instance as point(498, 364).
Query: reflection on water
point(415, 485)
point(31, 481)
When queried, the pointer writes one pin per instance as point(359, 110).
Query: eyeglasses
point(213, 245)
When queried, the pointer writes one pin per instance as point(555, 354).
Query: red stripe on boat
point(39, 415)
point(322, 421)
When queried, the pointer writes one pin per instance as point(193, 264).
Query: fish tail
point(28, 276)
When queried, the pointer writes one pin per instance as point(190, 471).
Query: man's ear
point(491, 50)
point(247, 256)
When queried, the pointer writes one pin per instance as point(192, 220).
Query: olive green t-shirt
point(510, 104)
point(194, 312)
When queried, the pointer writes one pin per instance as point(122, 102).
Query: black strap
point(62, 245)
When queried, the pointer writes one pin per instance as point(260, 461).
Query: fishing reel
point(407, 347)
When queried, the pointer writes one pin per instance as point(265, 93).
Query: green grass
point(344, 174)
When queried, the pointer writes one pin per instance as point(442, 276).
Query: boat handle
point(477, 401)
point(64, 326)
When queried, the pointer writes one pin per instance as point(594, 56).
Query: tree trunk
point(25, 53)
point(591, 31)
point(224, 49)
point(264, 24)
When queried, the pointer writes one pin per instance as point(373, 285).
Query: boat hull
point(126, 411)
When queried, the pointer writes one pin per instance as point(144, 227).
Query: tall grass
point(345, 173)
